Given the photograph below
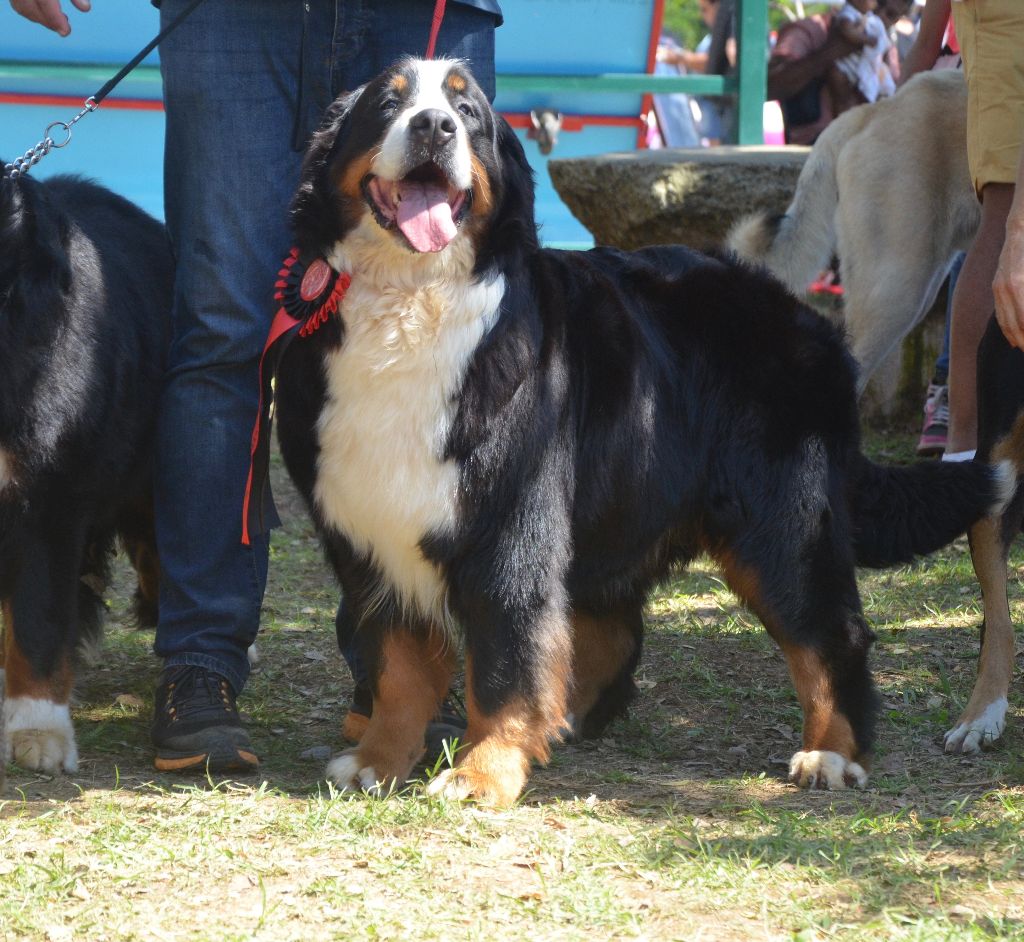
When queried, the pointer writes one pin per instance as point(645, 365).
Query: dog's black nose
point(432, 128)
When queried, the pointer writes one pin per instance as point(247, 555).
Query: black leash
point(22, 165)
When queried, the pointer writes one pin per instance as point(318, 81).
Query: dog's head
point(418, 158)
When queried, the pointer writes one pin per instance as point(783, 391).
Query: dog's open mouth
point(424, 206)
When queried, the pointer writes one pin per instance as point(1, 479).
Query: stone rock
point(687, 196)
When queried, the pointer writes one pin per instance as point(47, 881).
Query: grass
point(677, 825)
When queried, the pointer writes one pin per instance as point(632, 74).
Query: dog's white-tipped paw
point(449, 786)
point(975, 735)
point(825, 770)
point(44, 750)
point(40, 736)
point(348, 774)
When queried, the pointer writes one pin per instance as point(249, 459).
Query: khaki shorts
point(991, 36)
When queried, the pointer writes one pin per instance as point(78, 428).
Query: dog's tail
point(798, 244)
point(902, 512)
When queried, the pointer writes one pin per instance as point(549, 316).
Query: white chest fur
point(391, 397)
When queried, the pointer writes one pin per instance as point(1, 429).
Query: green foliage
point(682, 17)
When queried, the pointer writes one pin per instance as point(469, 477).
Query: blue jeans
point(942, 361)
point(244, 84)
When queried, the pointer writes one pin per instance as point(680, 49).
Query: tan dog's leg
point(415, 675)
point(605, 648)
point(829, 758)
point(982, 722)
point(502, 744)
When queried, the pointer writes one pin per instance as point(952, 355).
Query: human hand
point(1008, 287)
point(48, 13)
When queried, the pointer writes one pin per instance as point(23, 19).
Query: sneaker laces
point(195, 690)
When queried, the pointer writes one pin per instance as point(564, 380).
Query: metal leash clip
point(21, 165)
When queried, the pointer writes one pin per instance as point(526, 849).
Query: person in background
point(991, 39)
point(705, 116)
point(866, 72)
point(801, 63)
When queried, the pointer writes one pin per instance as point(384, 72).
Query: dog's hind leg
point(884, 298)
point(40, 633)
point(414, 674)
point(808, 601)
point(138, 538)
point(606, 650)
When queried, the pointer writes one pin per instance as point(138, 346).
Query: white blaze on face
point(429, 93)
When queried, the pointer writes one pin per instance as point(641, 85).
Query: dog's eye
point(388, 105)
point(467, 109)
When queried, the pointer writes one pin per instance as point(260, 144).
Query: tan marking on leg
point(601, 648)
point(995, 665)
point(146, 564)
point(825, 727)
point(22, 681)
point(502, 745)
point(414, 679)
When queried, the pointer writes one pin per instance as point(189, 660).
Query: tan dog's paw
point(825, 770)
point(970, 736)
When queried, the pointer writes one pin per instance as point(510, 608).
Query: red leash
point(435, 28)
point(309, 295)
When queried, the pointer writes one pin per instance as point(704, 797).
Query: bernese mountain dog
point(85, 296)
point(505, 447)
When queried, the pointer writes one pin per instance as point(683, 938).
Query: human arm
point(928, 43)
point(48, 13)
point(1008, 285)
point(689, 59)
point(792, 65)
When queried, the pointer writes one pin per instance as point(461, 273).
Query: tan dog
point(887, 188)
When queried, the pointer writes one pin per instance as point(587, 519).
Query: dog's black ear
point(513, 230)
point(33, 237)
point(312, 206)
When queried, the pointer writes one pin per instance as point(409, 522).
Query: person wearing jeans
point(245, 83)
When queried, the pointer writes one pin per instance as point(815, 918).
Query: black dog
point(514, 444)
point(85, 293)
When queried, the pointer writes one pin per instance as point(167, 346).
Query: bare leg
point(972, 307)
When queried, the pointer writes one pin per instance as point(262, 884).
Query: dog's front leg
point(517, 686)
point(415, 671)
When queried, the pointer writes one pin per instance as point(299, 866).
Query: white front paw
point(973, 736)
point(40, 736)
point(348, 774)
point(825, 770)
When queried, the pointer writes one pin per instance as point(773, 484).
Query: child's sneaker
point(936, 422)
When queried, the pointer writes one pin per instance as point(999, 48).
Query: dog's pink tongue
point(425, 217)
